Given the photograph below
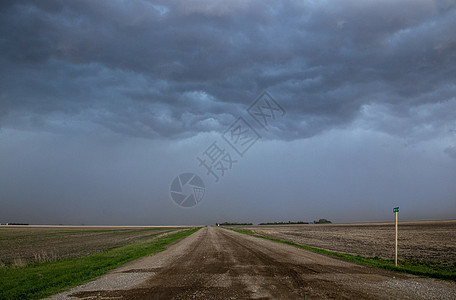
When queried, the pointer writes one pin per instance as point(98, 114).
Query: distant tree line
point(230, 223)
point(322, 221)
point(12, 223)
point(283, 223)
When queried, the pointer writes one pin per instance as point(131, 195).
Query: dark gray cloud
point(324, 62)
point(171, 75)
point(451, 151)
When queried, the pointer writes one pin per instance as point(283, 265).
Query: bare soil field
point(25, 244)
point(421, 240)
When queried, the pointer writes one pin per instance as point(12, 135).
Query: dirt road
point(217, 263)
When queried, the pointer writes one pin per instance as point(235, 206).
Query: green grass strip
point(40, 280)
point(416, 267)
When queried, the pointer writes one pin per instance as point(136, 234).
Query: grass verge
point(421, 268)
point(40, 280)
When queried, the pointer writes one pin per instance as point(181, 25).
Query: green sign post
point(395, 211)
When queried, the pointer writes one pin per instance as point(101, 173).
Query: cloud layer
point(171, 72)
point(182, 67)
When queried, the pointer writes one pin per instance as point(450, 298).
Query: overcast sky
point(104, 103)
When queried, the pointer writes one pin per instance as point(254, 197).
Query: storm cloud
point(89, 89)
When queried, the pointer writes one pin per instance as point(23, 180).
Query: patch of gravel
point(439, 291)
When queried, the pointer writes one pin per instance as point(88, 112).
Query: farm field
point(20, 245)
point(420, 240)
point(202, 263)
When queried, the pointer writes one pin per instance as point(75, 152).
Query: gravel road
point(216, 263)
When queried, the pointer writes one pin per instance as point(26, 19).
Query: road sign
point(396, 209)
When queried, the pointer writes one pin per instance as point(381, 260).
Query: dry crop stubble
point(433, 241)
